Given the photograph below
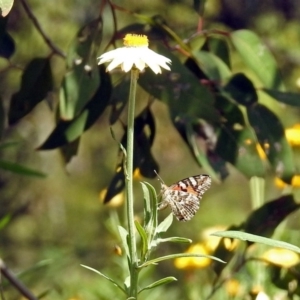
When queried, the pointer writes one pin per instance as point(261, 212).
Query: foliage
point(229, 117)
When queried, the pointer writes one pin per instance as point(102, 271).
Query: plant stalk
point(129, 185)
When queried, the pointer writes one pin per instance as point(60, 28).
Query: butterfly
point(184, 196)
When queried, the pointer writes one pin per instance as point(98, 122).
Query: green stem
point(129, 185)
point(257, 190)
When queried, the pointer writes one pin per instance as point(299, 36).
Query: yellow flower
point(281, 257)
point(135, 54)
point(212, 242)
point(233, 287)
point(193, 262)
point(293, 135)
point(281, 184)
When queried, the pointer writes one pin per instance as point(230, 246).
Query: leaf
point(162, 227)
point(198, 134)
point(244, 236)
point(257, 57)
point(68, 131)
point(36, 83)
point(174, 239)
point(5, 7)
point(238, 146)
point(150, 209)
point(284, 97)
point(7, 44)
point(82, 78)
point(124, 237)
point(158, 283)
point(180, 90)
point(242, 90)
point(144, 239)
point(106, 277)
point(264, 220)
point(219, 47)
point(165, 224)
point(172, 256)
point(271, 136)
point(199, 6)
point(229, 111)
point(212, 66)
point(19, 169)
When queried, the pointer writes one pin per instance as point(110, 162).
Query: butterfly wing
point(184, 196)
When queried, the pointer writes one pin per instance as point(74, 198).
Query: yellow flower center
point(135, 40)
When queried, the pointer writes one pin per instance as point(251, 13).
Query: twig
point(40, 30)
point(16, 282)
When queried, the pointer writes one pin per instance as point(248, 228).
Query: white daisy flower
point(135, 54)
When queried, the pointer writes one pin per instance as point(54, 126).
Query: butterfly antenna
point(159, 177)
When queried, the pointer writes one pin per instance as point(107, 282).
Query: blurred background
point(53, 219)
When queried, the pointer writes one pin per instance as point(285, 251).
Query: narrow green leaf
point(144, 239)
point(165, 224)
point(244, 236)
point(127, 286)
point(124, 237)
point(284, 97)
point(19, 169)
point(174, 239)
point(158, 283)
point(151, 226)
point(257, 57)
point(147, 205)
point(173, 256)
point(106, 277)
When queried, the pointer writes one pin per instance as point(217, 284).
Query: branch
point(16, 282)
point(40, 30)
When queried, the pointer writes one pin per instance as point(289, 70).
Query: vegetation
point(80, 148)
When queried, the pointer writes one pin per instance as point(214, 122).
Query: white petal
point(127, 64)
point(141, 57)
point(140, 64)
point(108, 56)
point(115, 63)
